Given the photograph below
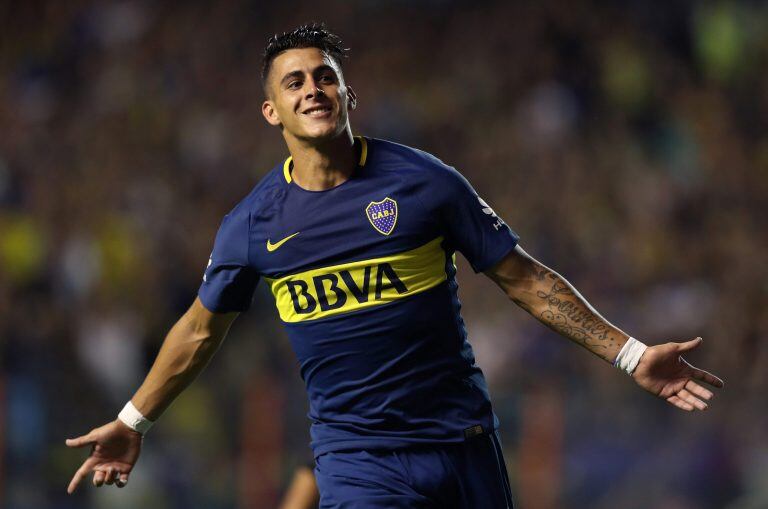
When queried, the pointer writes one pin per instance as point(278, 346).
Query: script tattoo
point(570, 317)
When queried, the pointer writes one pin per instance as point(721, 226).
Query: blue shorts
point(468, 475)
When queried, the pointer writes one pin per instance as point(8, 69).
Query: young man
point(356, 239)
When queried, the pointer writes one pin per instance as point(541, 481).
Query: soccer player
point(355, 238)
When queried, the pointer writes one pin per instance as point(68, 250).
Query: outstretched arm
point(187, 349)
point(551, 299)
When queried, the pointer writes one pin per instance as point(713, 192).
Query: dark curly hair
point(309, 35)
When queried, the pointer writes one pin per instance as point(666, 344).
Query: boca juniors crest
point(382, 215)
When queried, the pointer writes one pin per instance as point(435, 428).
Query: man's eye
point(294, 84)
point(327, 78)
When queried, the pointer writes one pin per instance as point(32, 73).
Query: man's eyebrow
point(323, 68)
point(292, 74)
point(298, 74)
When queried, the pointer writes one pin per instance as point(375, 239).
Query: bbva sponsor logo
point(341, 287)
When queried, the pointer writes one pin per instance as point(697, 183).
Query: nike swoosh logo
point(271, 247)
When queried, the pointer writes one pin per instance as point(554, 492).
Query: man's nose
point(313, 90)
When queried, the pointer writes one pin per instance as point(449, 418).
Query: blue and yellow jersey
point(363, 278)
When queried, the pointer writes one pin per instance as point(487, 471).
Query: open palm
point(115, 451)
point(663, 372)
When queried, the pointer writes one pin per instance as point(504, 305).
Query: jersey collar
point(288, 164)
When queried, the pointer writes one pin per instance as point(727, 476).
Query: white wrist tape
point(629, 355)
point(132, 418)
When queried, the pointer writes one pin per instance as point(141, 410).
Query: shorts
point(467, 475)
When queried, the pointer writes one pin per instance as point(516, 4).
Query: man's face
point(307, 95)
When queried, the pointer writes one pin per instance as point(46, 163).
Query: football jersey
point(363, 277)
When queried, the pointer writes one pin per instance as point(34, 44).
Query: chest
point(361, 219)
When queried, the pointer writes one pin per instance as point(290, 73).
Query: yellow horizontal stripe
point(329, 291)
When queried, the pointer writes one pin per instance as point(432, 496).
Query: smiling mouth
point(318, 111)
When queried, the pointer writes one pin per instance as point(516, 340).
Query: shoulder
point(385, 153)
point(267, 191)
point(411, 162)
point(232, 236)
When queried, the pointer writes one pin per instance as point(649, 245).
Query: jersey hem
point(496, 259)
point(389, 444)
point(220, 309)
point(490, 424)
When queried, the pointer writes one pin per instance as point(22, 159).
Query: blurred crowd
point(626, 142)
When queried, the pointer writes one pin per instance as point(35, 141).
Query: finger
point(98, 478)
point(81, 474)
point(109, 476)
point(679, 403)
point(122, 481)
point(81, 441)
point(693, 400)
point(698, 390)
point(689, 345)
point(705, 376)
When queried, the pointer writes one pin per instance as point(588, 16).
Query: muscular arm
point(187, 349)
point(552, 300)
point(545, 294)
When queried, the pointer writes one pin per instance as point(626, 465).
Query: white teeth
point(317, 111)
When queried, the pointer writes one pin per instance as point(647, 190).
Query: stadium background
point(625, 141)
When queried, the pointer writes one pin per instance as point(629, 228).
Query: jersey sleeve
point(229, 280)
point(468, 223)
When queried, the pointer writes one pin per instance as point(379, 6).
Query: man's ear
point(270, 113)
point(351, 98)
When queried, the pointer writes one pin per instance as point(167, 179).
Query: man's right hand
point(191, 343)
point(115, 450)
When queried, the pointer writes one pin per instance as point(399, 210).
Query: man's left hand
point(662, 371)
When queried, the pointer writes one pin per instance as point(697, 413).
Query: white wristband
point(132, 418)
point(629, 355)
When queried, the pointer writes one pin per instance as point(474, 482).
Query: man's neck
point(324, 166)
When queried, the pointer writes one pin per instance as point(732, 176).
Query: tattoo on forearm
point(541, 273)
point(569, 316)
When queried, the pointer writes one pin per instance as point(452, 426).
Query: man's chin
point(321, 135)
